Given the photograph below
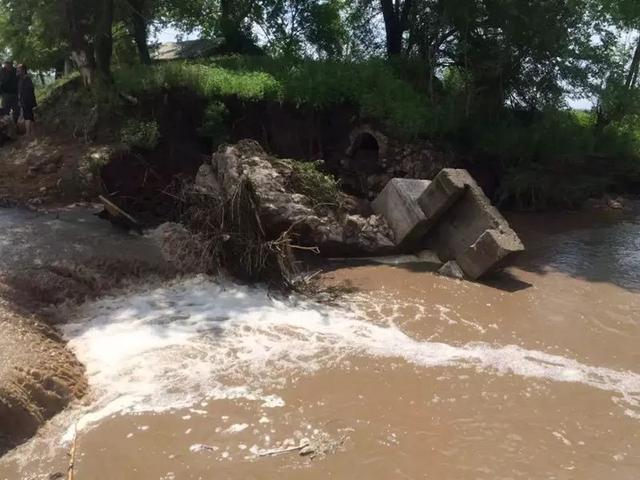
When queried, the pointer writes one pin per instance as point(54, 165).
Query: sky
point(170, 34)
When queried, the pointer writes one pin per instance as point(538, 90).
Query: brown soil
point(41, 170)
point(38, 375)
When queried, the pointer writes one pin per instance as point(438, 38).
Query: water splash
point(170, 347)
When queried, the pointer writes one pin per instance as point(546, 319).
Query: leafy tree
point(296, 27)
point(230, 19)
point(33, 32)
point(625, 14)
point(137, 15)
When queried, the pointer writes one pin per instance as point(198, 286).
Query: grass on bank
point(374, 87)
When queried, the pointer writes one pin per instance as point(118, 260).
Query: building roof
point(186, 50)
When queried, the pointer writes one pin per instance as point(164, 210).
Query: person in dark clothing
point(26, 98)
point(9, 91)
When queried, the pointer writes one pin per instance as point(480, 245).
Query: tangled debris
point(319, 445)
point(250, 212)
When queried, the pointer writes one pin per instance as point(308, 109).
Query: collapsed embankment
point(49, 263)
point(38, 375)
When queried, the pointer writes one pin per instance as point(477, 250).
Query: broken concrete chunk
point(451, 269)
point(461, 234)
point(398, 203)
point(451, 215)
point(443, 192)
point(488, 252)
point(280, 209)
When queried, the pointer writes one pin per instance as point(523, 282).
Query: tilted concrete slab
point(443, 192)
point(452, 216)
point(398, 204)
point(472, 231)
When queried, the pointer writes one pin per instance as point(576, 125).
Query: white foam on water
point(174, 346)
point(236, 428)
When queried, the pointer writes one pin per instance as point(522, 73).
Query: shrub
point(139, 134)
point(213, 123)
point(307, 179)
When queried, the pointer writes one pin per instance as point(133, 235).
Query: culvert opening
point(363, 159)
point(366, 150)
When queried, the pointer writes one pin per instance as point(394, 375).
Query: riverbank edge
point(40, 375)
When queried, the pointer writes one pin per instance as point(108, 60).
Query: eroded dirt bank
point(533, 375)
point(47, 261)
point(38, 376)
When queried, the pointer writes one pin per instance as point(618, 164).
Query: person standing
point(26, 98)
point(9, 90)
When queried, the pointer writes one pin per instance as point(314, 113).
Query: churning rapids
point(534, 375)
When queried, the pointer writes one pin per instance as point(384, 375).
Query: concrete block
point(451, 269)
point(398, 204)
point(488, 252)
point(472, 231)
point(448, 186)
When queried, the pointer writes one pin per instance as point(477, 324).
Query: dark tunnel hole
point(366, 151)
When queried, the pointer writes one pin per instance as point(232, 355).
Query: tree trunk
point(140, 31)
point(230, 27)
point(81, 49)
point(68, 66)
point(632, 76)
point(392, 28)
point(396, 22)
point(104, 40)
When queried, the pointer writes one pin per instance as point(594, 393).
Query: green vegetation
point(213, 124)
point(307, 179)
point(488, 78)
point(138, 134)
point(57, 87)
point(372, 86)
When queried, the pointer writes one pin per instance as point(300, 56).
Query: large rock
point(398, 204)
point(356, 236)
point(281, 209)
point(466, 227)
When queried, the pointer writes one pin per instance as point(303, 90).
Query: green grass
point(307, 179)
point(44, 93)
point(373, 87)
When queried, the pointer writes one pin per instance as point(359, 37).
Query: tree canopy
point(493, 53)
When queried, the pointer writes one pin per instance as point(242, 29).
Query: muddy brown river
point(533, 375)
